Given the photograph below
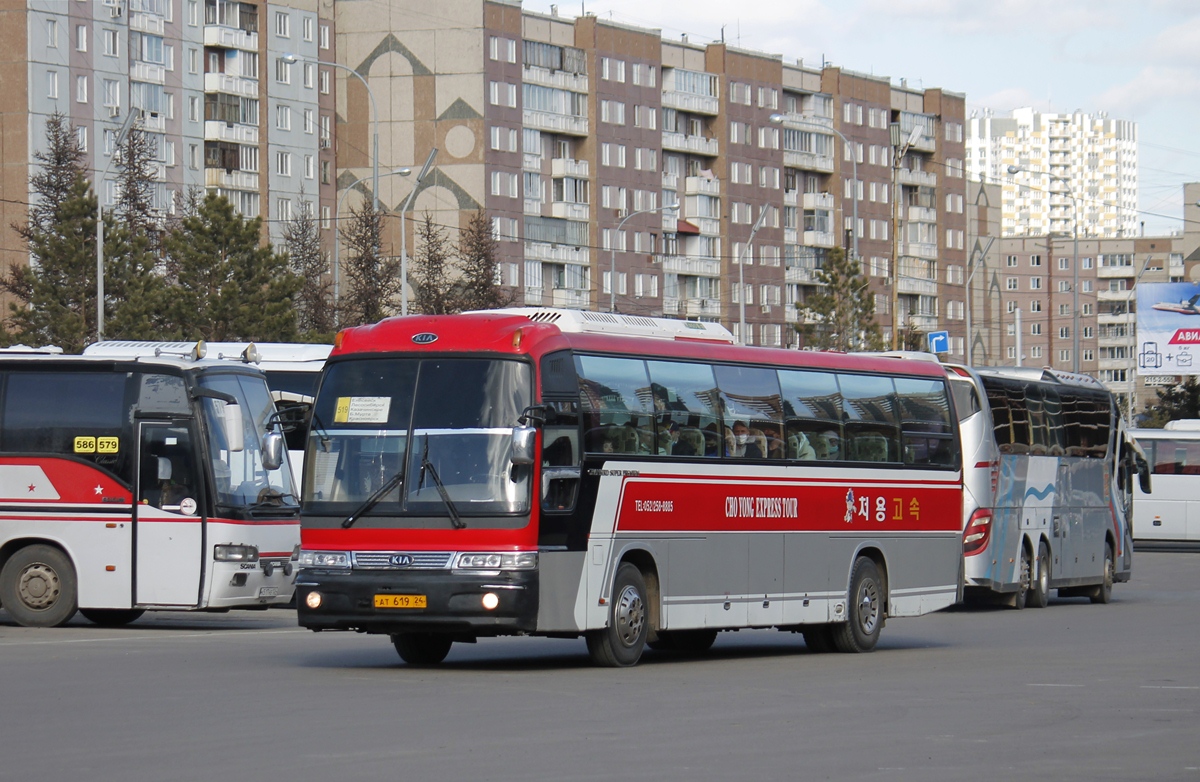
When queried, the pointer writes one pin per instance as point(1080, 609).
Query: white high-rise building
point(1074, 170)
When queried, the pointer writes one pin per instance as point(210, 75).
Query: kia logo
point(400, 560)
point(424, 338)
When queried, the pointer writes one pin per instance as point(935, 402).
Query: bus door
point(168, 521)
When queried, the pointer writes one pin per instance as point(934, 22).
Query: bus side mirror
point(524, 444)
point(272, 451)
point(235, 437)
point(1143, 471)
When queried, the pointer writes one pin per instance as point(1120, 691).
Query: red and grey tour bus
point(630, 480)
point(141, 484)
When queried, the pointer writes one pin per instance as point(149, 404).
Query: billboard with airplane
point(1168, 328)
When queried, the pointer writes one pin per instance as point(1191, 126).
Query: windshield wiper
point(321, 433)
point(374, 499)
point(427, 466)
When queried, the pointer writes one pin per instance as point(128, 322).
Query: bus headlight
point(228, 552)
point(498, 560)
point(325, 559)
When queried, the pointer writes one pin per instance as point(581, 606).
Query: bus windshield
point(240, 478)
point(406, 424)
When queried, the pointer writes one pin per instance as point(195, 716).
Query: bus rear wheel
point(1024, 578)
point(1102, 593)
point(620, 644)
point(38, 587)
point(422, 648)
point(1039, 589)
point(865, 612)
point(818, 638)
point(111, 617)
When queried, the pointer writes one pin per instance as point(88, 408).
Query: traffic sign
point(939, 341)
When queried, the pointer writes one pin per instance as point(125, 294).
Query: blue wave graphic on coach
point(1040, 494)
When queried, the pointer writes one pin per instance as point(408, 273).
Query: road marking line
point(156, 636)
point(1033, 684)
point(1168, 687)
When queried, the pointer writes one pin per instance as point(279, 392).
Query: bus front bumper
point(391, 602)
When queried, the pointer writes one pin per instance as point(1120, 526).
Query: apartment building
point(626, 172)
point(230, 94)
point(1061, 173)
point(1024, 305)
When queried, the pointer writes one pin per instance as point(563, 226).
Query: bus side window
point(613, 403)
point(872, 430)
point(812, 411)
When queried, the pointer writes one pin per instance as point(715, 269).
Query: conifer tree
point(226, 285)
point(842, 307)
point(477, 251)
point(309, 262)
point(372, 286)
point(434, 290)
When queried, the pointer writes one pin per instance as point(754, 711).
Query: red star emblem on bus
point(32, 487)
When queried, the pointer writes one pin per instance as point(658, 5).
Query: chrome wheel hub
point(629, 615)
point(38, 586)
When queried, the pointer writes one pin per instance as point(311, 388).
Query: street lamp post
point(1013, 170)
point(899, 150)
point(762, 217)
point(403, 216)
point(293, 58)
point(125, 126)
point(612, 250)
point(781, 119)
point(337, 243)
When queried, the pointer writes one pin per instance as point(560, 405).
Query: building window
point(309, 125)
point(1011, 283)
point(1035, 283)
point(308, 28)
point(283, 117)
point(81, 135)
point(81, 36)
point(81, 89)
point(324, 36)
point(111, 43)
point(309, 168)
point(283, 71)
point(283, 163)
point(323, 81)
point(283, 24)
point(51, 84)
point(1011, 260)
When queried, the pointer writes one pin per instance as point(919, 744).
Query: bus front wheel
point(620, 644)
point(38, 587)
point(422, 648)
point(860, 632)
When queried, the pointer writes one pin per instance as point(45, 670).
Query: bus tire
point(865, 611)
point(1039, 590)
point(620, 644)
point(818, 638)
point(111, 617)
point(422, 648)
point(38, 587)
point(1102, 593)
point(1024, 578)
point(684, 641)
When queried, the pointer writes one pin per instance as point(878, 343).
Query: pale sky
point(1138, 61)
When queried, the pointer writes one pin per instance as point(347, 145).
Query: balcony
point(571, 298)
point(148, 72)
point(808, 161)
point(922, 322)
point(801, 275)
point(556, 253)
point(820, 239)
point(569, 211)
point(234, 133)
point(709, 226)
point(1107, 295)
point(697, 145)
point(1109, 272)
point(917, 285)
point(670, 222)
point(232, 85)
point(153, 122)
point(533, 296)
point(567, 124)
point(230, 38)
point(924, 143)
point(791, 236)
point(691, 102)
point(926, 250)
point(531, 162)
point(670, 181)
point(700, 308)
point(146, 23)
point(791, 197)
point(230, 180)
point(1126, 318)
point(698, 185)
point(532, 206)
point(818, 201)
point(807, 121)
point(562, 167)
point(922, 214)
point(575, 82)
point(693, 267)
point(916, 178)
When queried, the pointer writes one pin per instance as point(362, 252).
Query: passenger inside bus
point(741, 444)
point(827, 445)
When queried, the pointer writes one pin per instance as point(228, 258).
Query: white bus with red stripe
point(629, 480)
point(134, 485)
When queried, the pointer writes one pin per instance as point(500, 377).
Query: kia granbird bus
point(625, 479)
point(129, 485)
point(1049, 485)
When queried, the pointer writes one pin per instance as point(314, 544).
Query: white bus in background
point(1169, 515)
point(292, 371)
point(1050, 475)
